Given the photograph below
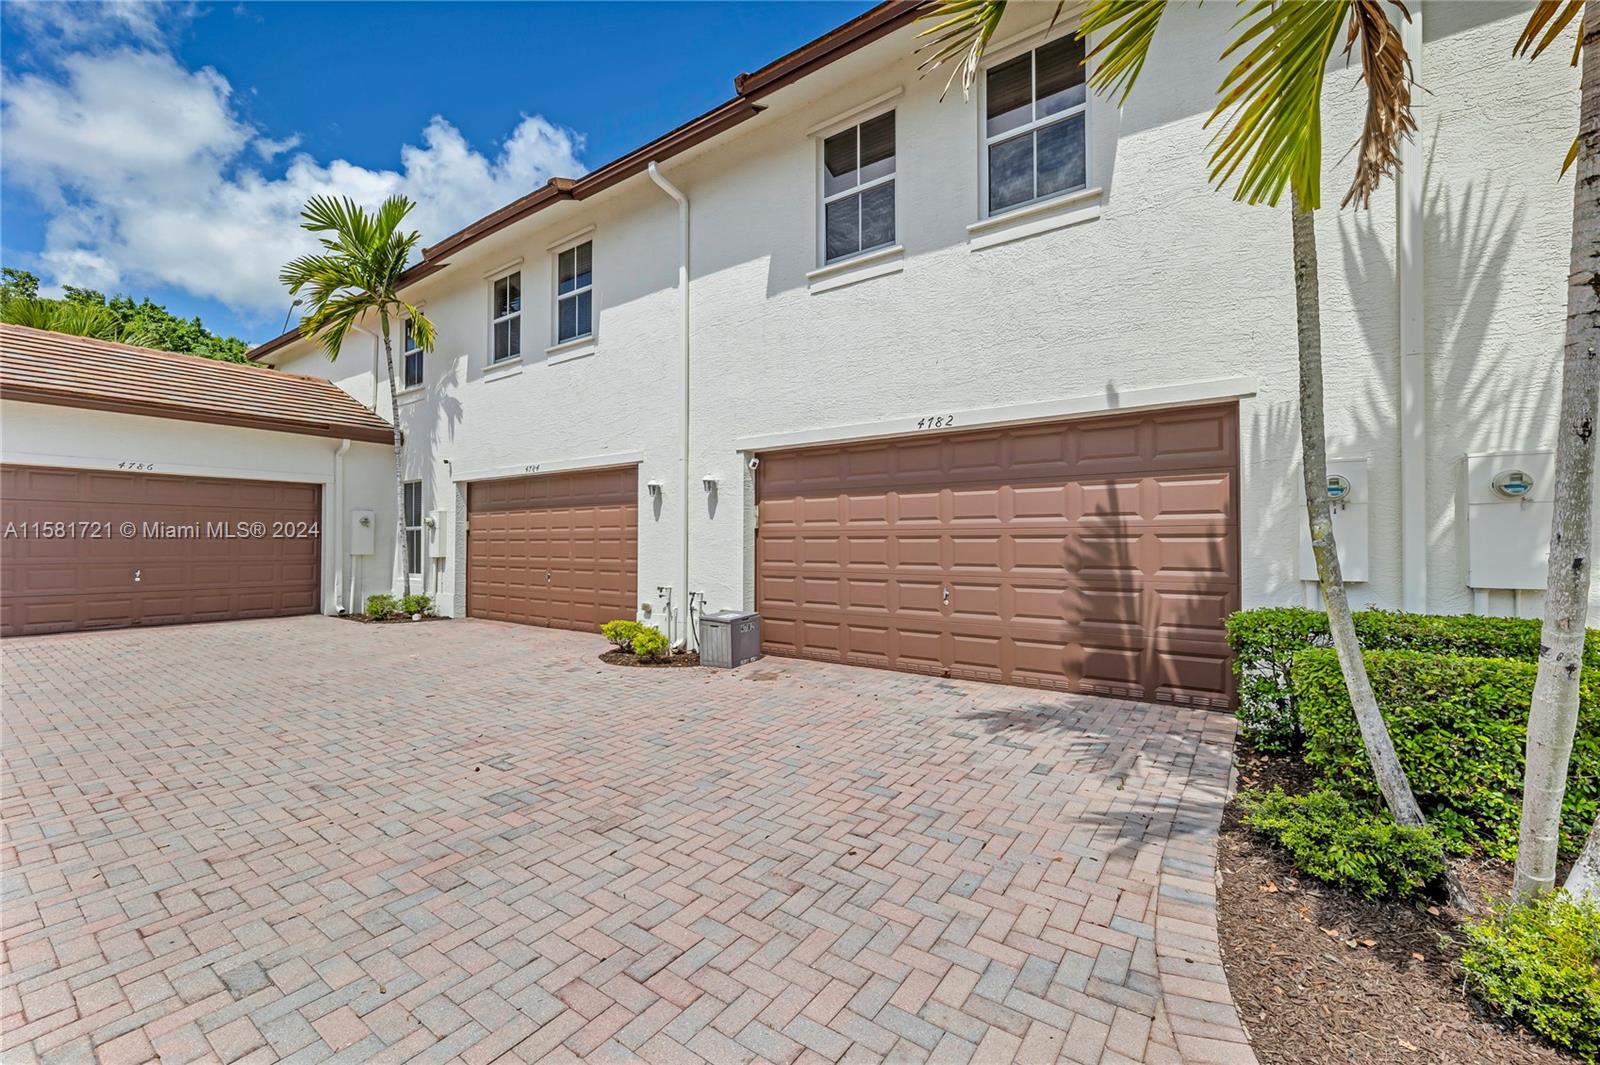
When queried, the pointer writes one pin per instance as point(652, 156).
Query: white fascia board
point(559, 465)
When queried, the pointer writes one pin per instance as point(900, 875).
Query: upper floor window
point(413, 358)
point(1035, 107)
point(858, 188)
point(575, 292)
point(507, 318)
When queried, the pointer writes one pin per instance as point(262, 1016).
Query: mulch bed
point(403, 619)
point(628, 658)
point(1323, 977)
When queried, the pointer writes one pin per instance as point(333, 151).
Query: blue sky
point(164, 149)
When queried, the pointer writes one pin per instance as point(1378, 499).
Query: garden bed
point(628, 658)
point(1324, 977)
point(402, 619)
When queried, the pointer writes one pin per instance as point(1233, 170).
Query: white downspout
point(1413, 364)
point(338, 526)
point(683, 419)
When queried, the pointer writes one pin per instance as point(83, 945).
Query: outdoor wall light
point(654, 488)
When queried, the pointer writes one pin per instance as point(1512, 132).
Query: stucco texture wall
point(1160, 281)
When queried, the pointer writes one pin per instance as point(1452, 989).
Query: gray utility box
point(729, 638)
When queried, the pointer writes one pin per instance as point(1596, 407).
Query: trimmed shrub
point(1460, 727)
point(1540, 964)
point(1266, 640)
point(650, 643)
point(416, 604)
point(382, 606)
point(621, 633)
point(1330, 838)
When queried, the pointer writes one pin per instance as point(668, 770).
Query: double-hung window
point(506, 316)
point(858, 188)
point(413, 358)
point(1034, 118)
point(413, 502)
point(575, 292)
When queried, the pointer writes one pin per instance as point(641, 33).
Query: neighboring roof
point(42, 367)
point(837, 43)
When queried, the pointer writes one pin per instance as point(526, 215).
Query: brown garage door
point(56, 576)
point(560, 550)
point(1099, 555)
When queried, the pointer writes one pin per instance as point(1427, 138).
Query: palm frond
point(1272, 136)
point(330, 321)
point(962, 28)
point(1130, 26)
point(421, 326)
point(1549, 18)
point(1387, 70)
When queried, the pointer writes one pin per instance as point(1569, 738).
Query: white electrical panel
point(363, 532)
point(439, 536)
point(1508, 502)
point(1349, 493)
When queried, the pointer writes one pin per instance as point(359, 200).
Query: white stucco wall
point(36, 434)
point(1160, 285)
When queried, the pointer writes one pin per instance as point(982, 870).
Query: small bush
point(1330, 838)
point(382, 606)
point(1460, 727)
point(621, 633)
point(416, 604)
point(1265, 642)
point(1540, 964)
point(649, 643)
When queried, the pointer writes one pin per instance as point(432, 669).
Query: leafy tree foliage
point(85, 312)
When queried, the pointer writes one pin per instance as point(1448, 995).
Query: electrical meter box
point(1349, 495)
point(729, 638)
point(363, 532)
point(1509, 506)
point(439, 535)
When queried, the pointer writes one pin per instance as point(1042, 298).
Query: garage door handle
point(947, 595)
point(547, 578)
point(136, 576)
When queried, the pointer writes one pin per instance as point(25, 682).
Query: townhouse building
point(995, 386)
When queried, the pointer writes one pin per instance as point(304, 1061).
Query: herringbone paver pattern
point(306, 840)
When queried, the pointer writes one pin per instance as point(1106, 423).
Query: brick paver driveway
point(311, 840)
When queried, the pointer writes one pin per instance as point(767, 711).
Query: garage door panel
point(185, 570)
point(558, 550)
point(1082, 555)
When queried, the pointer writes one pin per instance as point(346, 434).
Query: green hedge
point(1266, 640)
point(1460, 727)
point(1540, 964)
point(1341, 843)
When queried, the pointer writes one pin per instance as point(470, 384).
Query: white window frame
point(522, 340)
point(1030, 43)
point(557, 341)
point(855, 120)
point(417, 528)
point(407, 334)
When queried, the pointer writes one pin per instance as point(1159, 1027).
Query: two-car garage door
point(1096, 556)
point(87, 549)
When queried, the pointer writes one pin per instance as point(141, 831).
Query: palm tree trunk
point(401, 554)
point(1553, 714)
point(1386, 767)
point(1583, 882)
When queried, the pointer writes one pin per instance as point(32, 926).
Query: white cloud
point(51, 24)
point(149, 175)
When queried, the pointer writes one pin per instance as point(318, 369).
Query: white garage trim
point(563, 465)
point(1011, 414)
point(232, 473)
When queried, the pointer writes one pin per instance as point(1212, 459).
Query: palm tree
point(74, 319)
point(355, 276)
point(1270, 142)
point(1553, 715)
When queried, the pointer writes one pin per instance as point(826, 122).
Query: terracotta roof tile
point(43, 367)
